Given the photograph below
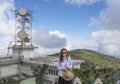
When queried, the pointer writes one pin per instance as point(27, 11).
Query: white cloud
point(109, 17)
point(41, 37)
point(82, 2)
point(109, 22)
point(108, 41)
point(49, 40)
point(5, 44)
point(7, 22)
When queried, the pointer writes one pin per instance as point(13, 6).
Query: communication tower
point(23, 34)
point(23, 26)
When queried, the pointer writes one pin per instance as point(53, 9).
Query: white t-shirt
point(65, 63)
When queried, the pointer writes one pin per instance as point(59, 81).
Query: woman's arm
point(69, 65)
point(59, 65)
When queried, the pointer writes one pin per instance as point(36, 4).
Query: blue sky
point(58, 15)
point(73, 24)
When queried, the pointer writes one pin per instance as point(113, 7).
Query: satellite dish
point(22, 34)
point(22, 11)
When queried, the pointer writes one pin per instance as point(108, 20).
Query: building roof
point(23, 47)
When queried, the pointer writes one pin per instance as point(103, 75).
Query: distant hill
point(93, 58)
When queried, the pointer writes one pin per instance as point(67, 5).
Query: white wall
point(8, 70)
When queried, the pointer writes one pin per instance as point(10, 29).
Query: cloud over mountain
point(108, 22)
point(47, 39)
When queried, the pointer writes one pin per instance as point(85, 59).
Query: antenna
point(23, 29)
point(36, 5)
point(22, 5)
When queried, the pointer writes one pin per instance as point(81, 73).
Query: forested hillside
point(96, 65)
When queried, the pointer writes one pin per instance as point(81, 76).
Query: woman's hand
point(65, 69)
point(68, 68)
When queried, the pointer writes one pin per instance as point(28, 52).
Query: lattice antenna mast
point(23, 25)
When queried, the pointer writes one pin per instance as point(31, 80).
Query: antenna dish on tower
point(22, 11)
point(22, 34)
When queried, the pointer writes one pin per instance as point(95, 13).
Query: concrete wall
point(8, 70)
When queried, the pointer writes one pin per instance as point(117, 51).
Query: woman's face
point(64, 53)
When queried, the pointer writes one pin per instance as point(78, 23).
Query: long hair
point(60, 54)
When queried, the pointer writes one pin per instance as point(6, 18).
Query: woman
point(64, 64)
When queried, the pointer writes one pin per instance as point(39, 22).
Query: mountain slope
point(92, 58)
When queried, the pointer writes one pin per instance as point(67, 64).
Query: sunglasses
point(64, 52)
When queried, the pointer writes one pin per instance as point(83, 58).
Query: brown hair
point(60, 54)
